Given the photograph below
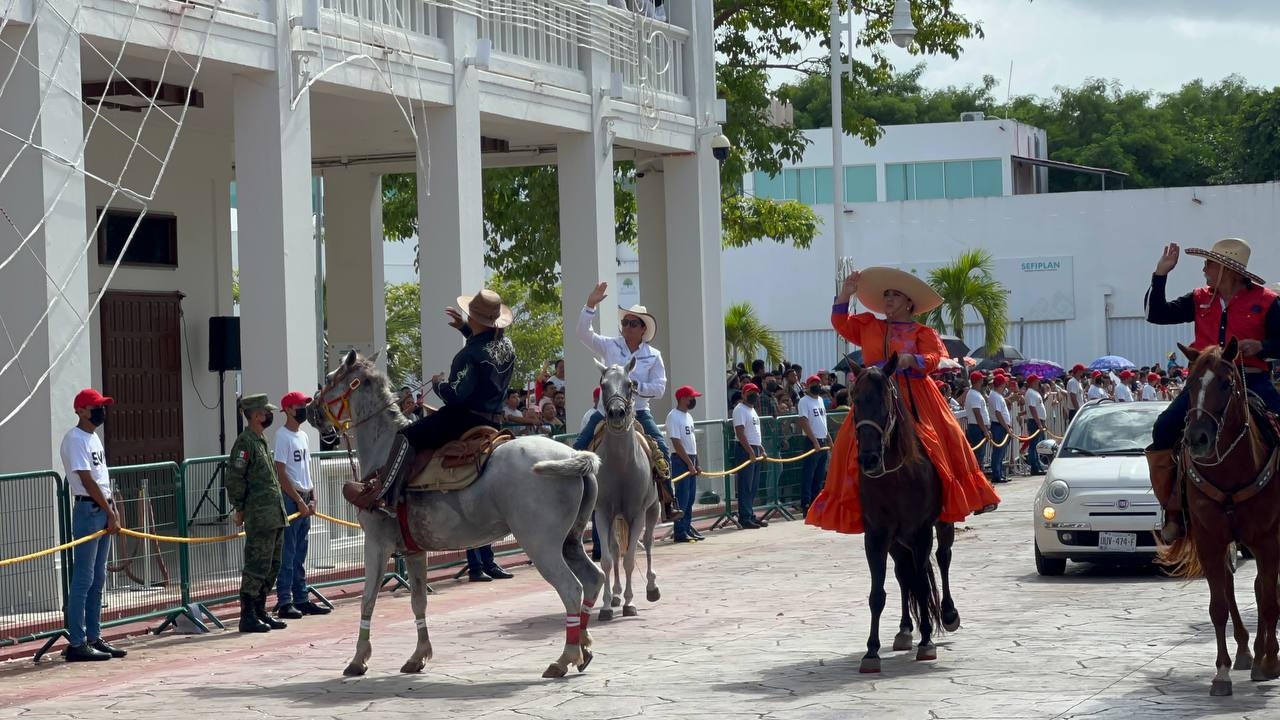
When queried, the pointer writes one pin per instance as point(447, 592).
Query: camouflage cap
point(257, 401)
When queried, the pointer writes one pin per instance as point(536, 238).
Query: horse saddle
point(459, 462)
point(1267, 423)
point(657, 463)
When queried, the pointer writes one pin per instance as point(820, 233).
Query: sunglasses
point(630, 322)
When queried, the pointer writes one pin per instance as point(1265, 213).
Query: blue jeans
point(291, 584)
point(1171, 423)
point(813, 475)
point(88, 573)
point(644, 417)
point(1033, 457)
point(479, 558)
point(974, 435)
point(686, 492)
point(998, 435)
point(748, 483)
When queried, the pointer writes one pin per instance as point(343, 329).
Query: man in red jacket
point(1234, 303)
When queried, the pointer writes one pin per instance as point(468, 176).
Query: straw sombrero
point(486, 308)
point(640, 311)
point(1230, 253)
point(875, 280)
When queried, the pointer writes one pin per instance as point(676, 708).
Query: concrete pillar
point(355, 294)
point(44, 197)
point(450, 203)
point(651, 227)
point(277, 253)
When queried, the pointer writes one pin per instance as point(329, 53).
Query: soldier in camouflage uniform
point(254, 491)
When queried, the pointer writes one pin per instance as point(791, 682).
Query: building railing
point(413, 16)
point(541, 31)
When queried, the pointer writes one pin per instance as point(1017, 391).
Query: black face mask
point(771, 387)
point(815, 389)
point(98, 416)
point(693, 403)
point(300, 416)
point(268, 419)
point(752, 399)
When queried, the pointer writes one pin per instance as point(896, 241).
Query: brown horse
point(901, 501)
point(1227, 469)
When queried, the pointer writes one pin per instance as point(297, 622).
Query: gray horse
point(533, 488)
point(628, 500)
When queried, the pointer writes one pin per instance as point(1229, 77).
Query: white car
point(1096, 502)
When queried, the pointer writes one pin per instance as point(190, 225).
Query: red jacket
point(1251, 315)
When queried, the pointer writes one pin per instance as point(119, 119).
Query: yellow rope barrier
point(722, 473)
point(52, 550)
point(338, 521)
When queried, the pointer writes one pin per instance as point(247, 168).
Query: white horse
point(627, 507)
point(533, 488)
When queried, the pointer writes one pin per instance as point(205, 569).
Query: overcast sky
point(1145, 44)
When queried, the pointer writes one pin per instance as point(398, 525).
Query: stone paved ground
point(759, 624)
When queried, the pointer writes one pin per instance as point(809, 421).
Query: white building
point(344, 91)
point(1076, 265)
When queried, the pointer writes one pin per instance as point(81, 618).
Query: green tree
point(1259, 138)
point(404, 333)
point(745, 333)
point(968, 283)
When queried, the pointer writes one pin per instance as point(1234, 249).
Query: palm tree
point(744, 333)
point(968, 283)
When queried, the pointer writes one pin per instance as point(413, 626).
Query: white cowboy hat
point(486, 308)
point(640, 311)
point(1230, 253)
point(875, 280)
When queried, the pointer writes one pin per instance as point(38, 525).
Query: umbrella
point(853, 357)
point(1111, 362)
point(956, 347)
point(1002, 352)
point(1043, 368)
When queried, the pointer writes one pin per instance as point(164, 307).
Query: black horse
point(901, 502)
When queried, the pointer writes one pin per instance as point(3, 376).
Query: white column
point(37, 184)
point(450, 203)
point(275, 234)
point(651, 229)
point(355, 302)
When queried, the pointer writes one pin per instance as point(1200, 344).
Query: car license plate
point(1117, 542)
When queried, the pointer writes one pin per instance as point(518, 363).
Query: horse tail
point(931, 604)
point(580, 464)
point(1181, 559)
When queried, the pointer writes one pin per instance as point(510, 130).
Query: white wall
point(1113, 239)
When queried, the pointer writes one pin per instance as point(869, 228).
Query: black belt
point(89, 499)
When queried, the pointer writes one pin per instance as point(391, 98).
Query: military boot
point(249, 622)
point(260, 606)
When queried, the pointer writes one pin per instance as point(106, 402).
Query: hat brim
point(874, 281)
point(505, 316)
point(1226, 262)
point(650, 322)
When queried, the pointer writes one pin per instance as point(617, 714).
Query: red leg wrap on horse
point(573, 629)
point(586, 613)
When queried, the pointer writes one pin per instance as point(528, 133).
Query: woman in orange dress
point(900, 296)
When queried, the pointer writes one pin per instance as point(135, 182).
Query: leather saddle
point(458, 463)
point(657, 462)
point(1269, 424)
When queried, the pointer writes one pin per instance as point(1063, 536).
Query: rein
point(1220, 455)
point(342, 420)
point(886, 433)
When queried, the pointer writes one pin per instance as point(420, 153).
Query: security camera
point(720, 146)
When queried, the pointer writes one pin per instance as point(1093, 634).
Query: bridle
point(613, 401)
point(886, 432)
point(338, 411)
point(1236, 390)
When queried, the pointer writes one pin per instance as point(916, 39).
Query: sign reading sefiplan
point(1038, 288)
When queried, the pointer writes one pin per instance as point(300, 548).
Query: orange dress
point(965, 490)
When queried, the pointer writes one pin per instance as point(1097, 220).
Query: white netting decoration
point(131, 184)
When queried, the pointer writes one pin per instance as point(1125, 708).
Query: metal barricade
point(211, 569)
point(335, 552)
point(144, 576)
point(34, 516)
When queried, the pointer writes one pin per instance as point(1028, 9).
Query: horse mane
point(380, 390)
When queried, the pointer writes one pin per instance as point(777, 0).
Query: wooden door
point(142, 372)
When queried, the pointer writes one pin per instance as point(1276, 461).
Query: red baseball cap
point(595, 394)
point(1152, 377)
point(1078, 368)
point(1125, 374)
point(1033, 378)
point(975, 376)
point(750, 387)
point(89, 397)
point(294, 398)
point(1000, 380)
point(1096, 373)
point(686, 391)
point(815, 378)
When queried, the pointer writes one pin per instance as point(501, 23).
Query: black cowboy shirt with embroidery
point(481, 373)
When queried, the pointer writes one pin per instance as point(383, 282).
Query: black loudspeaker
point(224, 343)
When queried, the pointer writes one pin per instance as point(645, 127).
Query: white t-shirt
point(1149, 391)
point(814, 411)
point(291, 451)
point(1077, 392)
point(999, 408)
point(973, 400)
point(745, 416)
point(83, 451)
point(1035, 400)
point(1096, 392)
point(680, 425)
point(1122, 393)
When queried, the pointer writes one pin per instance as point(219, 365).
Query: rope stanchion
point(52, 550)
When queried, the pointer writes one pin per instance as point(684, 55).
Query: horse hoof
point(951, 622)
point(615, 602)
point(606, 614)
point(554, 671)
point(354, 670)
point(652, 595)
point(1243, 662)
point(413, 666)
point(587, 655)
point(1220, 688)
point(902, 641)
point(629, 611)
point(869, 665)
point(1258, 674)
point(927, 652)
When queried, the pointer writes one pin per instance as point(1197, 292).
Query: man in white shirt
point(1035, 421)
point(84, 462)
point(1001, 426)
point(684, 458)
point(1149, 391)
point(1096, 389)
point(1122, 391)
point(293, 471)
point(813, 413)
point(1075, 391)
point(649, 374)
point(977, 417)
point(746, 428)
